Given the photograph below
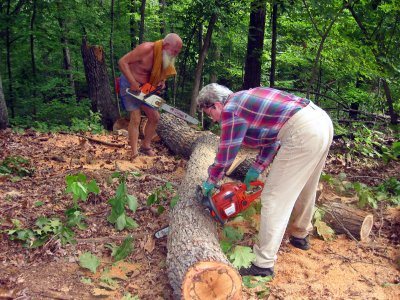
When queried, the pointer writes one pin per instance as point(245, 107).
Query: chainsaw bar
point(158, 102)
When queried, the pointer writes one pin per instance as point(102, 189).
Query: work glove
point(252, 175)
point(207, 187)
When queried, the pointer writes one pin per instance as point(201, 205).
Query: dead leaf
point(121, 269)
point(103, 292)
point(150, 244)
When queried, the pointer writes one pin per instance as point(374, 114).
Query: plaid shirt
point(253, 118)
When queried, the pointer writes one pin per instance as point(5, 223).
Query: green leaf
point(85, 280)
point(38, 203)
point(92, 187)
point(255, 281)
point(174, 201)
point(132, 203)
point(124, 250)
point(242, 256)
point(323, 230)
point(152, 199)
point(121, 222)
point(130, 223)
point(89, 261)
point(225, 246)
point(232, 234)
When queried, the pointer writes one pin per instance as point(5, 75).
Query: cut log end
point(211, 280)
point(366, 227)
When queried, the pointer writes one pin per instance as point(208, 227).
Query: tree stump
point(353, 222)
point(197, 267)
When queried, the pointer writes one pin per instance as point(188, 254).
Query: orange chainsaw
point(230, 199)
point(148, 95)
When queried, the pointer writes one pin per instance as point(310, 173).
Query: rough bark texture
point(193, 235)
point(181, 138)
point(3, 108)
point(98, 83)
point(348, 220)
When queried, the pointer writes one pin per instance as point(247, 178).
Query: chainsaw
point(230, 199)
point(148, 95)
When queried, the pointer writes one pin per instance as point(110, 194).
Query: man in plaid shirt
point(290, 131)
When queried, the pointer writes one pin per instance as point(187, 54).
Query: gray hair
point(212, 93)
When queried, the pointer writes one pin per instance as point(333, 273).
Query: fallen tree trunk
point(181, 138)
point(197, 267)
point(355, 223)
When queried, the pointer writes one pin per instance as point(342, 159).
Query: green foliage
point(388, 191)
point(89, 261)
point(123, 251)
point(163, 193)
point(16, 166)
point(242, 256)
point(80, 188)
point(323, 230)
point(118, 203)
point(45, 230)
point(75, 218)
point(128, 296)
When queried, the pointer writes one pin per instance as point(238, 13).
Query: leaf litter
point(338, 269)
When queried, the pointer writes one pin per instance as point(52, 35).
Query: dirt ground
point(339, 269)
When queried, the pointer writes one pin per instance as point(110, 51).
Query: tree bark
point(3, 108)
point(255, 42)
point(355, 223)
point(133, 24)
point(98, 84)
point(200, 64)
point(194, 254)
point(273, 41)
point(142, 15)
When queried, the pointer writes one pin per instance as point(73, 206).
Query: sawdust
point(340, 269)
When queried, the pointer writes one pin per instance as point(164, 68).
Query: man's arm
point(132, 57)
point(233, 131)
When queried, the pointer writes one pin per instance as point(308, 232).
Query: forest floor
point(338, 269)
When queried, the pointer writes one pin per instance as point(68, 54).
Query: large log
point(351, 221)
point(197, 267)
point(181, 138)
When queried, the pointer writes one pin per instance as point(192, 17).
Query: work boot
point(253, 270)
point(301, 243)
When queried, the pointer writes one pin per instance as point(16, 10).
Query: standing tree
point(98, 84)
point(274, 21)
point(3, 108)
point(255, 42)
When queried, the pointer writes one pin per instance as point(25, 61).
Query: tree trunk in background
point(98, 84)
point(163, 5)
point(8, 61)
point(255, 42)
point(133, 24)
point(273, 41)
point(217, 56)
point(3, 108)
point(112, 55)
point(32, 42)
point(65, 49)
point(394, 118)
point(142, 15)
point(200, 64)
point(380, 62)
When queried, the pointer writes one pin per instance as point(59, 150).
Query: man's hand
point(207, 187)
point(135, 87)
point(252, 175)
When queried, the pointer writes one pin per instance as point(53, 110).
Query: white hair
point(212, 93)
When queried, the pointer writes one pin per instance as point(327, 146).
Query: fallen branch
point(94, 140)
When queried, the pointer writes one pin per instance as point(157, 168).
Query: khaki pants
point(291, 185)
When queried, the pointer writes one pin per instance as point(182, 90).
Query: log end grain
point(366, 227)
point(211, 280)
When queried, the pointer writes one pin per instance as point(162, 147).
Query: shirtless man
point(150, 62)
